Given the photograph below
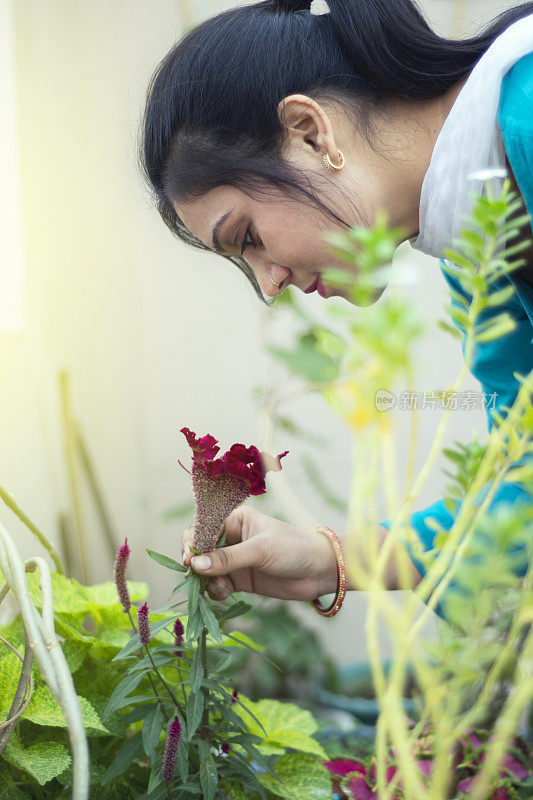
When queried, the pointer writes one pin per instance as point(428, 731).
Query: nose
point(270, 277)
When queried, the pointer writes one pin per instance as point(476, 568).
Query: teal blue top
point(494, 362)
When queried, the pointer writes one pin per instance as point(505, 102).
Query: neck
point(423, 122)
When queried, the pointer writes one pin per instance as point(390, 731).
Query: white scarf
point(469, 144)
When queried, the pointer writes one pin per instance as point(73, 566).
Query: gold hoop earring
point(328, 163)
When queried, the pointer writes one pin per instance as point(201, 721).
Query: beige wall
point(155, 335)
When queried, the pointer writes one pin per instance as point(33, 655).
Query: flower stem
point(39, 535)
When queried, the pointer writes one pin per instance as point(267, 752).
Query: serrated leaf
point(44, 709)
point(44, 760)
point(131, 750)
point(303, 776)
point(276, 716)
point(152, 727)
point(170, 563)
point(296, 741)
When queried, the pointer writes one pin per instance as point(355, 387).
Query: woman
point(267, 125)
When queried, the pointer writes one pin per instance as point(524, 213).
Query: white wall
point(155, 335)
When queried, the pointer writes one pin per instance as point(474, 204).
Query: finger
point(233, 526)
point(218, 588)
point(187, 538)
point(227, 559)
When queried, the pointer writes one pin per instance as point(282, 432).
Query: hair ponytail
point(391, 45)
point(211, 111)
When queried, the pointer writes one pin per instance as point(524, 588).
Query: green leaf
point(194, 593)
point(122, 692)
point(9, 789)
point(277, 717)
point(195, 708)
point(131, 750)
point(296, 741)
point(242, 640)
point(195, 625)
point(306, 360)
point(152, 727)
point(208, 777)
point(171, 563)
point(134, 643)
point(455, 332)
point(501, 296)
point(182, 761)
point(44, 760)
point(197, 669)
point(303, 776)
point(44, 709)
point(504, 325)
point(156, 778)
point(210, 620)
point(235, 610)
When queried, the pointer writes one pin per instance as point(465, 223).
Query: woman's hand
point(268, 557)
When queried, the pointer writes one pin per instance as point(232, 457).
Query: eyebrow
point(216, 229)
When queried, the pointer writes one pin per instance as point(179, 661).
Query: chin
point(345, 296)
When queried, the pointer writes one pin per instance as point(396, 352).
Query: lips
point(313, 286)
point(321, 289)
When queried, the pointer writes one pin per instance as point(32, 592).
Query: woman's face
point(278, 236)
point(281, 236)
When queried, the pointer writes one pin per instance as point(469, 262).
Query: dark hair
point(211, 110)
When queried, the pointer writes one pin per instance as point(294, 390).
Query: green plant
point(478, 570)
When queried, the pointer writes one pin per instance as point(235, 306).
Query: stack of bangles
point(341, 576)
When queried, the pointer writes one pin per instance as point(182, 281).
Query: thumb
point(227, 559)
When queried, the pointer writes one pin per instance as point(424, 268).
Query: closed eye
point(246, 243)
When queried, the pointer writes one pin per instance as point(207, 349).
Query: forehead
point(200, 214)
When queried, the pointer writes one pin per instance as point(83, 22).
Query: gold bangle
point(341, 576)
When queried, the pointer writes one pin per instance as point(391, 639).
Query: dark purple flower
point(178, 636)
point(121, 562)
point(235, 695)
point(225, 747)
point(171, 749)
point(143, 624)
point(221, 484)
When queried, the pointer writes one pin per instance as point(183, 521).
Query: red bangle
point(341, 576)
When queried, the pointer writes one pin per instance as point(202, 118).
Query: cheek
point(295, 240)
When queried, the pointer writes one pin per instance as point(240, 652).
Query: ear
point(308, 125)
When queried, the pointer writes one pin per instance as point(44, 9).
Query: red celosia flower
point(171, 749)
point(221, 484)
point(121, 562)
point(143, 624)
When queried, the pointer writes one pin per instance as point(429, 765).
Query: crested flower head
point(143, 624)
point(121, 563)
point(221, 484)
point(171, 749)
